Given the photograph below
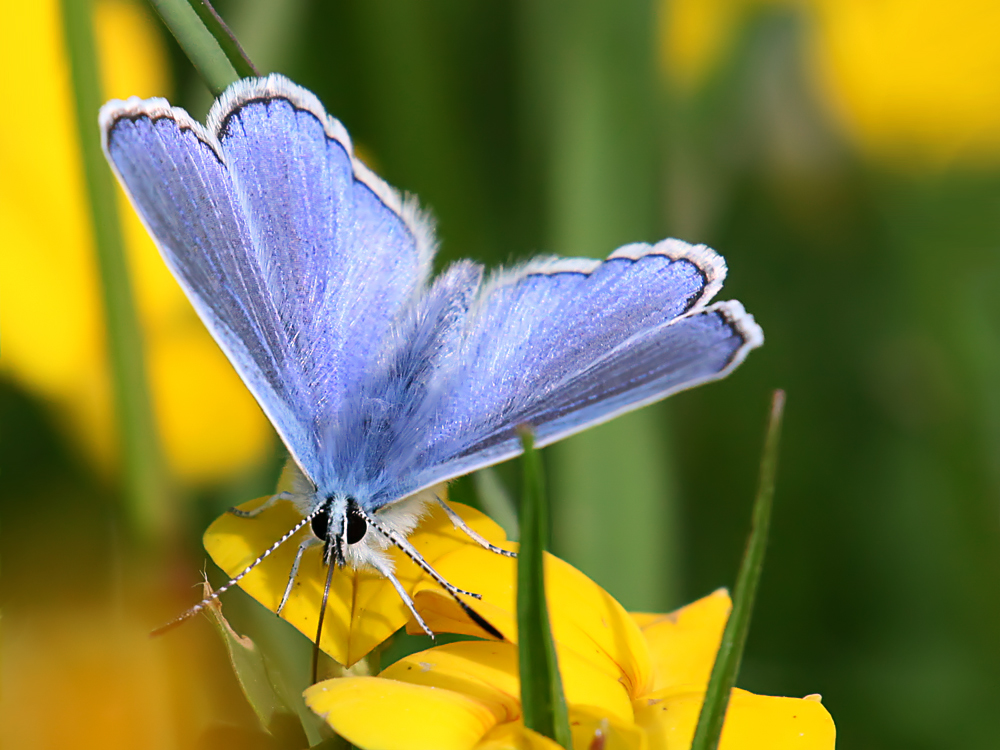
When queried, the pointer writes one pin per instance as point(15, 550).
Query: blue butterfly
point(314, 276)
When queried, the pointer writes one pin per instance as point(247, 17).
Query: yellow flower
point(86, 675)
point(631, 681)
point(637, 679)
point(694, 37)
point(364, 609)
point(50, 303)
point(913, 82)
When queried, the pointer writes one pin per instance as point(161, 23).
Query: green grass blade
point(203, 48)
point(496, 501)
point(592, 108)
point(146, 490)
point(734, 637)
point(230, 46)
point(542, 700)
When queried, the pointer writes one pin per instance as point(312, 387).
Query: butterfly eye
point(357, 527)
point(321, 522)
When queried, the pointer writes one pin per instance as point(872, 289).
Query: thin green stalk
point(145, 477)
point(542, 700)
point(219, 63)
point(592, 116)
point(227, 40)
point(734, 637)
point(496, 501)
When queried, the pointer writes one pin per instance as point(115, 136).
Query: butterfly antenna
point(236, 579)
point(319, 626)
point(404, 545)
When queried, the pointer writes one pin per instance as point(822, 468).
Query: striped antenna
point(236, 579)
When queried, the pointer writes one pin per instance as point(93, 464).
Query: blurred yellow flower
point(694, 37)
point(631, 681)
point(50, 306)
point(89, 677)
point(914, 79)
point(364, 609)
point(914, 82)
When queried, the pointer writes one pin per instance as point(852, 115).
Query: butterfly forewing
point(295, 256)
point(318, 231)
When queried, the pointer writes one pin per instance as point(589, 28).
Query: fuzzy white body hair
point(401, 517)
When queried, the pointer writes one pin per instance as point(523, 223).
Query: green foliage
point(206, 41)
point(542, 700)
point(734, 637)
point(876, 289)
point(147, 499)
point(272, 664)
point(263, 684)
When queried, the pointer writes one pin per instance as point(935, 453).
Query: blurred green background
point(844, 157)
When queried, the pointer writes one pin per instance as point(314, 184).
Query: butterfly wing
point(563, 345)
point(296, 257)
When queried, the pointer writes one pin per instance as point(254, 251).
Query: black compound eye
point(321, 523)
point(357, 527)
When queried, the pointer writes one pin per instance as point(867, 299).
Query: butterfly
point(315, 278)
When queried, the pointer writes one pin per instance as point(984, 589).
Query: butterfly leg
point(308, 542)
point(410, 551)
point(471, 533)
point(261, 508)
point(387, 571)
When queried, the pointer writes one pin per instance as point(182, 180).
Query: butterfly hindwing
point(564, 345)
point(377, 437)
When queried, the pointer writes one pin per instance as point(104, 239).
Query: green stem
point(207, 42)
point(734, 637)
point(543, 703)
point(145, 477)
point(592, 113)
point(496, 501)
point(227, 40)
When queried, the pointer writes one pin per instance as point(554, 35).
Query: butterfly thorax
point(353, 527)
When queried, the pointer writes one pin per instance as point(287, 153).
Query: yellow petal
point(364, 609)
point(50, 301)
point(515, 736)
point(488, 671)
point(683, 644)
point(588, 732)
point(586, 620)
point(753, 722)
point(589, 728)
point(437, 536)
point(592, 727)
point(484, 670)
point(379, 714)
